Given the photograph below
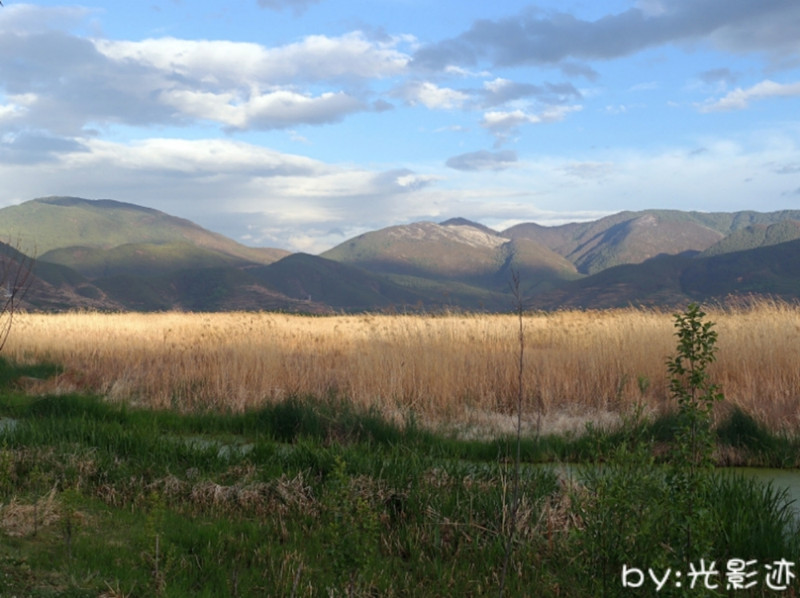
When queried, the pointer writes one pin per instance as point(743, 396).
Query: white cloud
point(739, 98)
point(221, 63)
point(9, 112)
point(498, 120)
point(245, 85)
point(503, 123)
point(188, 157)
point(433, 96)
point(65, 84)
point(273, 110)
point(17, 106)
point(497, 84)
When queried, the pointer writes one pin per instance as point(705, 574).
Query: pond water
point(780, 478)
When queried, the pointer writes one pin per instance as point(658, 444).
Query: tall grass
point(455, 368)
point(317, 497)
point(95, 496)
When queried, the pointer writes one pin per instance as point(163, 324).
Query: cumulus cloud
point(432, 96)
point(494, 92)
point(483, 160)
point(560, 38)
point(273, 110)
point(63, 83)
point(504, 123)
point(315, 58)
point(55, 81)
point(739, 99)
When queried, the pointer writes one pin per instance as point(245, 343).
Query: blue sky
point(302, 123)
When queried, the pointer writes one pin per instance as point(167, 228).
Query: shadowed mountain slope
point(754, 236)
point(634, 237)
point(312, 278)
point(771, 270)
point(624, 238)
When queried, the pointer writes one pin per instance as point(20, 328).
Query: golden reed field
point(458, 370)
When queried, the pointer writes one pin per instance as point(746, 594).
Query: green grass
point(313, 497)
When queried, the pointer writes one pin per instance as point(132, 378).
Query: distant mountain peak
point(464, 222)
point(474, 236)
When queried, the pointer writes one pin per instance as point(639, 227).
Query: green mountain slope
point(51, 223)
point(139, 258)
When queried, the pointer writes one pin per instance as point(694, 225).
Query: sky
point(302, 123)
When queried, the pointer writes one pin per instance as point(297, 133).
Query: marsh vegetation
point(265, 454)
point(458, 370)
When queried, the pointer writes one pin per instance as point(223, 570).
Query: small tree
point(696, 395)
point(16, 269)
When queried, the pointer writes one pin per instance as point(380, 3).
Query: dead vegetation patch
point(21, 519)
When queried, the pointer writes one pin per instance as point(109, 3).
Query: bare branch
point(16, 276)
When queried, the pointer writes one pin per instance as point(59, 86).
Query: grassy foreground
point(321, 498)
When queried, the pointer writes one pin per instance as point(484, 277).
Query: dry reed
point(447, 368)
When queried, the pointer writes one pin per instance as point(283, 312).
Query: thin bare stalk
point(515, 289)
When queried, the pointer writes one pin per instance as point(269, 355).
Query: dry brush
point(452, 368)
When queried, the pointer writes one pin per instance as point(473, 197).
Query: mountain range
point(110, 255)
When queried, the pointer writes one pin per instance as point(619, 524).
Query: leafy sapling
point(690, 385)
